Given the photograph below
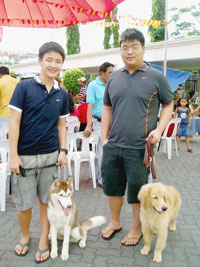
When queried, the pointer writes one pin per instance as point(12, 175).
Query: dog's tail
point(93, 222)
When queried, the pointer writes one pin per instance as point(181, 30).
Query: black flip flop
point(112, 235)
point(132, 245)
point(22, 247)
point(41, 252)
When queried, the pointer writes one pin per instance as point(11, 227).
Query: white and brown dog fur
point(159, 206)
point(63, 218)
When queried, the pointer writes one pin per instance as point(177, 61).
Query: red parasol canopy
point(53, 13)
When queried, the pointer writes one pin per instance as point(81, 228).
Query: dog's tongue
point(66, 211)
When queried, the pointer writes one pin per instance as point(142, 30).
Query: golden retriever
point(159, 206)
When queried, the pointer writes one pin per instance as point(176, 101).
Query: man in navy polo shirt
point(37, 137)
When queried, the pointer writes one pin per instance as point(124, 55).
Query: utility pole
point(165, 43)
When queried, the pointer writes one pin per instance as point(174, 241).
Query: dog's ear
point(144, 195)
point(56, 183)
point(70, 182)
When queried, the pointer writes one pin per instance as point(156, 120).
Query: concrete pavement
point(183, 246)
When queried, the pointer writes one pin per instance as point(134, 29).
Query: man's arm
point(62, 140)
point(105, 123)
point(15, 119)
point(80, 96)
point(88, 128)
point(165, 116)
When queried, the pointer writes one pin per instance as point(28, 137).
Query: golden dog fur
point(159, 206)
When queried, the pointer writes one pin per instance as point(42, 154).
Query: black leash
point(23, 170)
point(23, 173)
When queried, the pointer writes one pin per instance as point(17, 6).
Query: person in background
point(37, 140)
point(83, 116)
point(83, 92)
point(7, 86)
point(180, 92)
point(94, 99)
point(131, 102)
point(72, 109)
point(183, 111)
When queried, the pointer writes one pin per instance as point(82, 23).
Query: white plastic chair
point(71, 141)
point(84, 155)
point(4, 172)
point(169, 134)
point(72, 124)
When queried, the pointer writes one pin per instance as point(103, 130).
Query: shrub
point(70, 80)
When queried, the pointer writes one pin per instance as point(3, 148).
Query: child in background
point(72, 109)
point(182, 111)
point(83, 116)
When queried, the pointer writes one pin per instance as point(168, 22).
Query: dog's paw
point(157, 257)
point(64, 256)
point(54, 254)
point(82, 244)
point(172, 228)
point(145, 250)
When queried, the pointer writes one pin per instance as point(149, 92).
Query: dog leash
point(23, 173)
point(148, 156)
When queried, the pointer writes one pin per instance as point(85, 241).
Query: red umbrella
point(53, 13)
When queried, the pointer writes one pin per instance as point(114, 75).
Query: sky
point(91, 36)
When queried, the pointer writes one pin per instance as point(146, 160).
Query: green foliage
point(107, 34)
point(113, 30)
point(70, 80)
point(73, 40)
point(158, 10)
point(13, 74)
point(184, 28)
point(192, 70)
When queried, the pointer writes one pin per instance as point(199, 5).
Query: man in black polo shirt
point(131, 104)
point(37, 136)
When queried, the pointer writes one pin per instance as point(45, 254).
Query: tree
point(115, 29)
point(158, 10)
point(112, 30)
point(73, 40)
point(186, 28)
point(107, 34)
point(70, 80)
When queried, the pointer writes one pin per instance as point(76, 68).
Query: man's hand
point(156, 134)
point(62, 159)
point(104, 142)
point(15, 163)
point(88, 131)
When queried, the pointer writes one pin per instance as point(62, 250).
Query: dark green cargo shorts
point(121, 167)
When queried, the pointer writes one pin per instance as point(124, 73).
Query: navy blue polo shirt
point(40, 114)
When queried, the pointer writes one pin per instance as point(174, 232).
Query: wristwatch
point(64, 150)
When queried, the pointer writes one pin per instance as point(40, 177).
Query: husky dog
point(63, 218)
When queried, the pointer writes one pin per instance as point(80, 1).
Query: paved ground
point(183, 246)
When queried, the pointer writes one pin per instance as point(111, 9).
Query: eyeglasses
point(126, 49)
